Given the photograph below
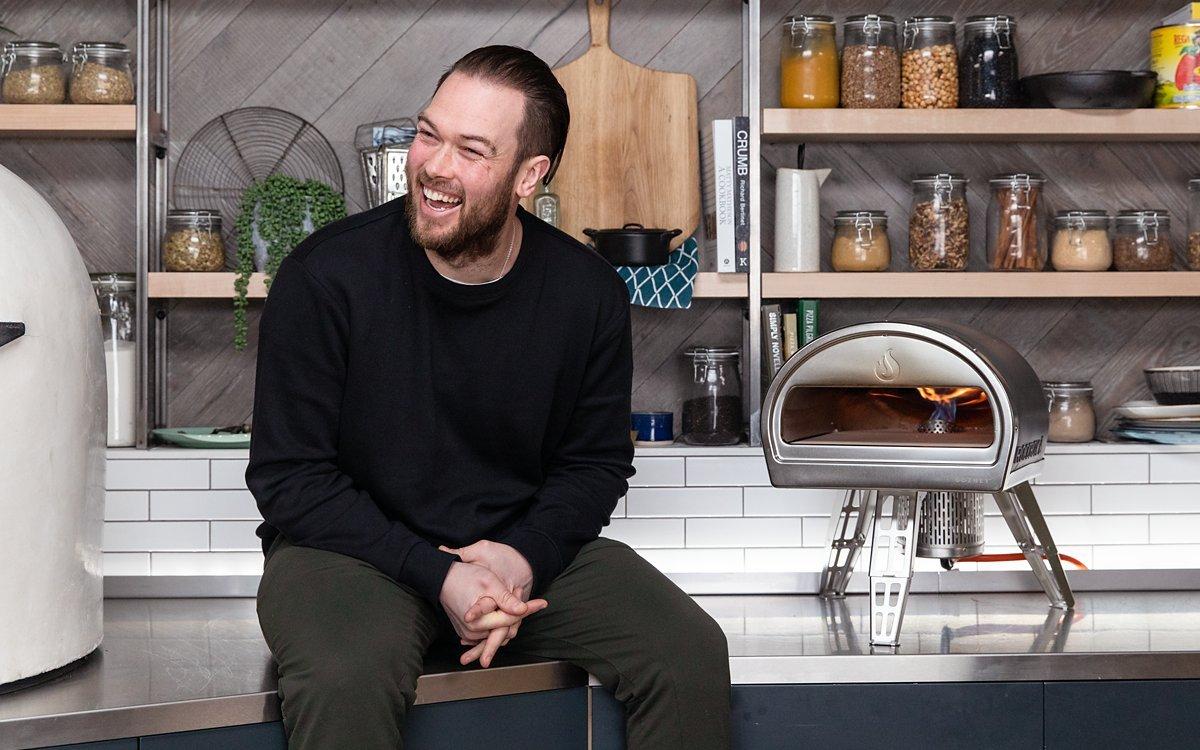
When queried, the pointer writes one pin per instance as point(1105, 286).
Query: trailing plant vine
point(276, 209)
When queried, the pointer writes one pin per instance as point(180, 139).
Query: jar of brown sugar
point(1081, 241)
point(1072, 413)
point(860, 241)
point(1142, 241)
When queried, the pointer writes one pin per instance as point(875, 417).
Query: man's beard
point(474, 235)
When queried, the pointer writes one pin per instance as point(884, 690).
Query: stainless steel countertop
point(170, 665)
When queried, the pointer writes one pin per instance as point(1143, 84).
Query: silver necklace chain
point(507, 256)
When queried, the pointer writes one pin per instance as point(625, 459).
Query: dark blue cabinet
point(248, 737)
point(129, 744)
point(1154, 713)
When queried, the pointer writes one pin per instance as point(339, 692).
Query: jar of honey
point(808, 66)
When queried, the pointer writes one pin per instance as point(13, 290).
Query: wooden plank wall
point(339, 64)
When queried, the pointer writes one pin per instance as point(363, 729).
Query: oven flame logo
point(887, 368)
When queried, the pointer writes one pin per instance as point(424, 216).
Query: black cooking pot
point(633, 244)
point(1092, 89)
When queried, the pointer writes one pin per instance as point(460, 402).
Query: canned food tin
point(1175, 57)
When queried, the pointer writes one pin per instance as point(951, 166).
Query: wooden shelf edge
point(998, 125)
point(977, 285)
point(219, 285)
point(68, 120)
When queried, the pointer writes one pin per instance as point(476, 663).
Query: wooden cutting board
point(632, 151)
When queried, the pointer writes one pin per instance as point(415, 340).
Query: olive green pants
point(349, 643)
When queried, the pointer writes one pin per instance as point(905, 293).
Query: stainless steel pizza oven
point(917, 421)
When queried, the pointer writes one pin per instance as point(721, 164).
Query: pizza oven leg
point(1028, 526)
point(847, 535)
point(893, 548)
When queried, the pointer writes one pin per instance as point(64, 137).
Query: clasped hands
point(485, 597)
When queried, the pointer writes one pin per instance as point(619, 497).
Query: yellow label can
point(1175, 57)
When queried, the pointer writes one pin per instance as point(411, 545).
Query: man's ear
point(531, 174)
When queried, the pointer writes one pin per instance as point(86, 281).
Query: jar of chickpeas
point(193, 241)
point(930, 63)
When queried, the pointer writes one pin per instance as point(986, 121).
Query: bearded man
point(441, 430)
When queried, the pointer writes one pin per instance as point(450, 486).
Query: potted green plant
point(275, 215)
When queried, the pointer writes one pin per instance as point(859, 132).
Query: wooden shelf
point(981, 285)
point(68, 120)
point(1011, 125)
point(219, 285)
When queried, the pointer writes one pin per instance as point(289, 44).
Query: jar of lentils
point(101, 74)
point(930, 63)
point(33, 73)
point(870, 63)
point(1142, 240)
point(193, 241)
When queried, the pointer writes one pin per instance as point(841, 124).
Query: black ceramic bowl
point(1092, 89)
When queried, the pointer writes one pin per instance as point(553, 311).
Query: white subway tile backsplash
point(1095, 469)
point(724, 472)
point(675, 502)
point(150, 536)
point(1146, 498)
point(126, 505)
point(228, 475)
point(787, 560)
point(232, 505)
point(156, 474)
point(126, 563)
point(775, 501)
point(816, 531)
point(1054, 500)
point(1135, 557)
point(206, 563)
point(646, 532)
point(1175, 467)
point(695, 560)
point(234, 535)
point(657, 472)
point(1174, 529)
point(1080, 530)
point(743, 532)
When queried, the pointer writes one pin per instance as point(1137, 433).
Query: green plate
point(201, 437)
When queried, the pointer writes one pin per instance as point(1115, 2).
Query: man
point(441, 430)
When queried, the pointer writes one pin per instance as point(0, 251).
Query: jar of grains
point(1193, 246)
point(1142, 241)
point(712, 408)
point(870, 63)
point(987, 69)
point(1081, 241)
point(101, 74)
point(1072, 413)
point(1016, 223)
point(930, 63)
point(939, 234)
point(33, 73)
point(193, 241)
point(808, 62)
point(860, 241)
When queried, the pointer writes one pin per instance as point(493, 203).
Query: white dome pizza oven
point(52, 395)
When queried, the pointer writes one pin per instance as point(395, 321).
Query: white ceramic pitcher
point(798, 219)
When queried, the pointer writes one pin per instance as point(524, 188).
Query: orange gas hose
point(1013, 556)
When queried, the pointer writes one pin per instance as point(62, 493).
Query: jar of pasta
point(808, 64)
point(193, 241)
point(860, 241)
point(1081, 241)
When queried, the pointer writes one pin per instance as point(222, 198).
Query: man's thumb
point(511, 603)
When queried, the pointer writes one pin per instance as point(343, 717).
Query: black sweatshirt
point(396, 410)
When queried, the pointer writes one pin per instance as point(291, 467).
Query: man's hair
point(543, 130)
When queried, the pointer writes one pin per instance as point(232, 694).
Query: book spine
point(808, 321)
point(742, 188)
point(772, 341)
point(722, 145)
point(791, 338)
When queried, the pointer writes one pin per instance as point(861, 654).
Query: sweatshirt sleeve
point(294, 472)
point(592, 463)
